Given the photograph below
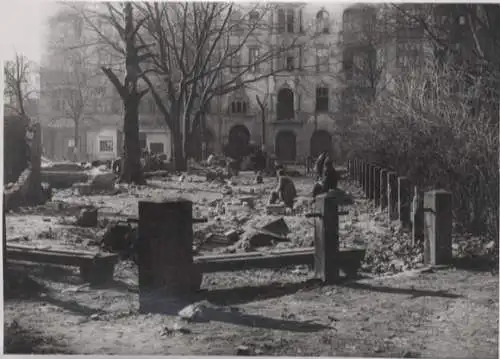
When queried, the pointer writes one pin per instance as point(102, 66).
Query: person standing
point(318, 167)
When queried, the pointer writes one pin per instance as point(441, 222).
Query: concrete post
point(376, 185)
point(392, 195)
point(383, 188)
point(366, 178)
point(404, 202)
point(417, 217)
point(326, 237)
point(437, 227)
point(362, 177)
point(165, 253)
point(371, 184)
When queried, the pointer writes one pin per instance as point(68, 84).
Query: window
point(290, 62)
point(156, 147)
point(322, 22)
point(322, 99)
point(322, 60)
point(106, 144)
point(78, 27)
point(253, 56)
point(235, 60)
point(254, 16)
point(238, 107)
point(461, 20)
point(281, 20)
point(151, 106)
point(116, 105)
point(290, 21)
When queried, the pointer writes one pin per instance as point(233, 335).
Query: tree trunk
point(263, 124)
point(76, 140)
point(131, 163)
point(180, 163)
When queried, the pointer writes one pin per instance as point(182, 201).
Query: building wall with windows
point(302, 111)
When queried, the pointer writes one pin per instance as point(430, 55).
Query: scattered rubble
point(87, 217)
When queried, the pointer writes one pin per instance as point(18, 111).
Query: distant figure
point(309, 164)
point(210, 160)
point(318, 167)
point(285, 191)
point(329, 180)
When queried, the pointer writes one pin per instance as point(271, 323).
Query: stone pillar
point(392, 195)
point(165, 253)
point(376, 185)
point(417, 217)
point(326, 237)
point(358, 172)
point(361, 173)
point(34, 195)
point(383, 188)
point(404, 202)
point(437, 227)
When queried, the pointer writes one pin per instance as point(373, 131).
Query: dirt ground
point(416, 313)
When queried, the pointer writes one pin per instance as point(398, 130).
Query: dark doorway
point(320, 141)
point(286, 146)
point(238, 143)
point(202, 139)
point(284, 107)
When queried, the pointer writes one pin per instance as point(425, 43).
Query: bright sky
point(22, 25)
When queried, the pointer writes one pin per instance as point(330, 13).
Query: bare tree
point(121, 19)
point(197, 56)
point(17, 74)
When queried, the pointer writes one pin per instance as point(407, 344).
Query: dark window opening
point(322, 100)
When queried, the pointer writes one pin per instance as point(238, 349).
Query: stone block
point(404, 202)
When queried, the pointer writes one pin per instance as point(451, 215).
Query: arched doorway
point(238, 142)
point(285, 105)
point(286, 149)
point(321, 141)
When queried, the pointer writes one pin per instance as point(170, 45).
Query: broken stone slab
point(195, 312)
point(243, 350)
point(250, 201)
point(104, 181)
point(83, 189)
point(277, 226)
point(118, 237)
point(276, 209)
point(87, 217)
point(232, 236)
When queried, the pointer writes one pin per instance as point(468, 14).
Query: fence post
point(376, 185)
point(326, 237)
point(392, 195)
point(404, 206)
point(165, 253)
point(366, 179)
point(417, 217)
point(383, 189)
point(438, 227)
point(371, 193)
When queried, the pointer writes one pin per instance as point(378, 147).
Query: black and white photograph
point(294, 179)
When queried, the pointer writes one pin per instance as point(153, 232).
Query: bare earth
point(416, 313)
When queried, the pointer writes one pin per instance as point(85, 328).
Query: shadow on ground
point(246, 294)
point(21, 340)
point(480, 263)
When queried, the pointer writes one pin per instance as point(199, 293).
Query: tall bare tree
point(17, 79)
point(197, 56)
point(121, 19)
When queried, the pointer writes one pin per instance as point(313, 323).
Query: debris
point(232, 236)
point(249, 201)
point(276, 209)
point(118, 237)
point(277, 226)
point(243, 350)
point(87, 217)
point(194, 312)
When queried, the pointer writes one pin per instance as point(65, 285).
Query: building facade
point(302, 114)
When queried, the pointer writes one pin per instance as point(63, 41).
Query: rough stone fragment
point(87, 217)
